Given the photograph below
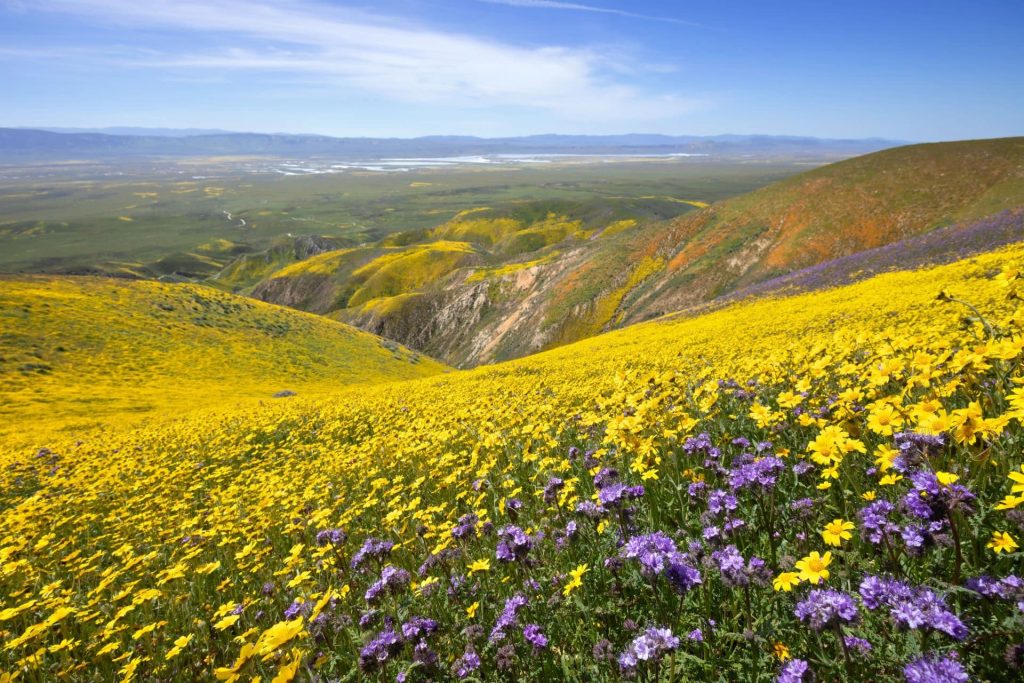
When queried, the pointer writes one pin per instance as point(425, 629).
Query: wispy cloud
point(578, 7)
point(383, 56)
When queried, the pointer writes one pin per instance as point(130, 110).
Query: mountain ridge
point(24, 143)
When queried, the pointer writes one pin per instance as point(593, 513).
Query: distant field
point(95, 218)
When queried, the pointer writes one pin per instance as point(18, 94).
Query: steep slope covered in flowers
point(78, 351)
point(826, 482)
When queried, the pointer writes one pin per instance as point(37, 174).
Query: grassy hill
point(469, 524)
point(544, 278)
point(832, 212)
point(79, 351)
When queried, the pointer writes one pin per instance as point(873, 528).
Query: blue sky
point(900, 69)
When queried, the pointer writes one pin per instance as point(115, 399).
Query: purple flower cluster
point(438, 559)
point(507, 618)
point(701, 445)
point(759, 473)
point(512, 508)
point(297, 608)
point(467, 664)
point(934, 668)
point(331, 537)
point(372, 548)
point(617, 493)
point(824, 608)
point(915, 448)
point(384, 645)
point(736, 572)
point(658, 555)
point(534, 636)
point(911, 607)
point(875, 524)
point(389, 642)
point(514, 545)
point(551, 490)
point(1009, 588)
point(649, 646)
point(793, 672)
point(929, 500)
point(589, 508)
point(858, 645)
point(466, 527)
point(392, 580)
point(418, 627)
point(720, 501)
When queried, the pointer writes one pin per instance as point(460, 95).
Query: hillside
point(784, 479)
point(82, 351)
point(541, 280)
point(831, 212)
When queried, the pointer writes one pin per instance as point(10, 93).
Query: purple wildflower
point(824, 608)
point(514, 544)
point(534, 636)
point(649, 646)
point(467, 664)
point(874, 521)
point(391, 580)
point(385, 645)
point(934, 668)
point(507, 618)
point(792, 672)
point(372, 548)
point(466, 527)
point(331, 537)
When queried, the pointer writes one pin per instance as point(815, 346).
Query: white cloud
point(578, 7)
point(386, 57)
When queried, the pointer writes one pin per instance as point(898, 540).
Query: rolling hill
point(443, 526)
point(539, 280)
point(84, 351)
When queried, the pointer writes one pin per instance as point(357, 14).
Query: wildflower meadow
point(822, 487)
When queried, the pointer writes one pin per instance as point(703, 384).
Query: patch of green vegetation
point(70, 221)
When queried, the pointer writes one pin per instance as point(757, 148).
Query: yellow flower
point(889, 479)
point(480, 566)
point(288, 669)
point(227, 622)
point(577, 579)
point(884, 457)
point(837, 531)
point(1010, 502)
point(787, 399)
point(884, 420)
point(1002, 542)
point(868, 495)
point(946, 478)
point(471, 610)
point(814, 567)
point(179, 645)
point(781, 652)
point(1019, 478)
point(785, 581)
point(277, 635)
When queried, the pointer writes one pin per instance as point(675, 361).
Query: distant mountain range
point(24, 144)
